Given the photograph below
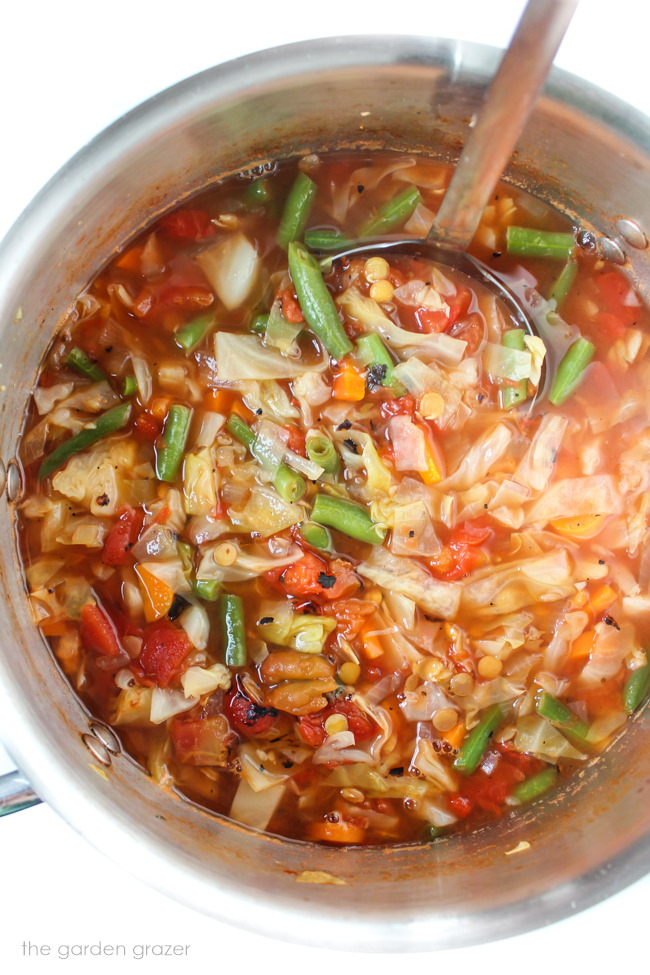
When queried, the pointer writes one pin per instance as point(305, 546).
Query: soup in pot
point(339, 550)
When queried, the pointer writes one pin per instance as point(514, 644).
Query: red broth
point(325, 562)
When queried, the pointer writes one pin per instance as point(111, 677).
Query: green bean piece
point(170, 454)
point(392, 214)
point(473, 748)
point(187, 337)
point(81, 363)
point(259, 324)
point(636, 687)
point(233, 630)
point(129, 386)
point(561, 716)
point(326, 240)
point(103, 425)
point(316, 302)
point(208, 589)
point(322, 451)
point(512, 395)
point(372, 352)
point(257, 193)
point(240, 429)
point(433, 832)
point(526, 242)
point(564, 282)
point(296, 210)
point(289, 485)
point(536, 785)
point(316, 535)
point(570, 370)
point(346, 517)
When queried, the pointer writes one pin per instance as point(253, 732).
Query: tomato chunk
point(314, 577)
point(97, 631)
point(395, 407)
point(461, 554)
point(201, 741)
point(164, 649)
point(188, 225)
point(247, 717)
point(290, 307)
point(122, 536)
point(312, 727)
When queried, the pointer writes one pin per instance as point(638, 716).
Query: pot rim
point(158, 864)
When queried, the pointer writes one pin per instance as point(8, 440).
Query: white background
point(67, 69)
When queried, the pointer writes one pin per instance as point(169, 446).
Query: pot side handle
point(16, 793)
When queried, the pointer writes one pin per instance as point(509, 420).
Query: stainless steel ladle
point(510, 99)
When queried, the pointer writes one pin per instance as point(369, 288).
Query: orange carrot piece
point(455, 735)
point(583, 645)
point(341, 832)
point(219, 400)
point(159, 406)
point(349, 381)
point(130, 260)
point(157, 596)
point(602, 599)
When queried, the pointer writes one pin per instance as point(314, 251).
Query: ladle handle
point(511, 96)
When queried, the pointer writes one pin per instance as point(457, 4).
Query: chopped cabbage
point(198, 681)
point(231, 267)
point(479, 459)
point(408, 578)
point(252, 561)
point(266, 512)
point(538, 737)
point(300, 631)
point(243, 357)
point(505, 588)
point(574, 496)
point(431, 345)
point(200, 481)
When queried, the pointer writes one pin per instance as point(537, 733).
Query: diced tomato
point(201, 741)
point(188, 225)
point(460, 555)
point(431, 321)
point(312, 726)
point(122, 536)
point(97, 631)
point(395, 407)
point(164, 649)
point(609, 326)
point(314, 577)
point(351, 615)
point(296, 441)
point(489, 790)
point(461, 806)
point(469, 534)
point(147, 427)
point(290, 307)
point(247, 717)
point(618, 297)
point(470, 329)
point(458, 305)
point(194, 297)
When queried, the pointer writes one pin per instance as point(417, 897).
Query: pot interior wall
point(404, 94)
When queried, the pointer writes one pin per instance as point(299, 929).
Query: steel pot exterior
point(584, 151)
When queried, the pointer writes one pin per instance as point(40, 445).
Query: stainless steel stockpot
point(584, 151)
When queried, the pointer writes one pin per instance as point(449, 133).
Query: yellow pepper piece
point(433, 474)
point(582, 526)
point(157, 596)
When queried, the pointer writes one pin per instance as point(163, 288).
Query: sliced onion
point(166, 702)
point(143, 378)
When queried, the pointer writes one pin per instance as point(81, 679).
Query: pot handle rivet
point(14, 481)
point(107, 737)
point(97, 749)
point(611, 250)
point(631, 233)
